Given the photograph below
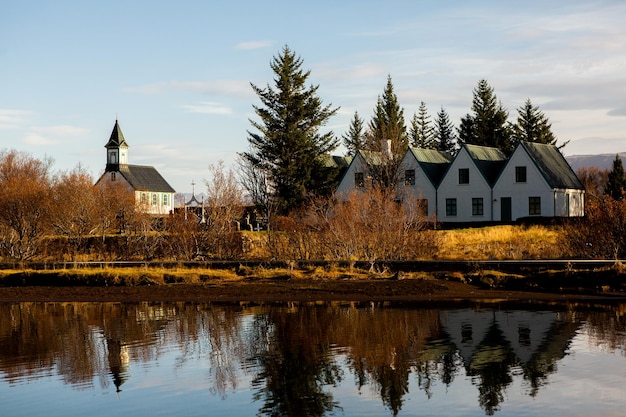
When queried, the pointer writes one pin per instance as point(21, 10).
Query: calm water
point(163, 359)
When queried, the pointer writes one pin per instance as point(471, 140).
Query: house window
point(450, 206)
point(477, 206)
point(112, 176)
point(534, 206)
point(359, 180)
point(422, 206)
point(520, 174)
point(113, 157)
point(165, 200)
point(144, 198)
point(409, 177)
point(155, 199)
point(463, 175)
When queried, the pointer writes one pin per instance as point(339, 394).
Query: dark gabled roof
point(552, 165)
point(434, 163)
point(117, 138)
point(145, 178)
point(489, 161)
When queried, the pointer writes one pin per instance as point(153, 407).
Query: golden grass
point(501, 242)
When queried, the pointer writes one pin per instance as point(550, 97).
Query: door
point(505, 209)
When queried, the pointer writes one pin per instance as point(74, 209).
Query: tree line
point(284, 165)
point(286, 177)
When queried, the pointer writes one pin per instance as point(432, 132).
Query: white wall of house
point(524, 190)
point(348, 183)
point(421, 188)
point(155, 202)
point(148, 201)
point(521, 190)
point(477, 189)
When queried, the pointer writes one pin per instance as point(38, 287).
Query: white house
point(465, 192)
point(537, 181)
point(480, 184)
point(359, 173)
point(423, 170)
point(152, 192)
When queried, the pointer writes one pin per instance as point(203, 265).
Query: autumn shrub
point(367, 225)
point(601, 234)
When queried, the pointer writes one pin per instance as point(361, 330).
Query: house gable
point(423, 170)
point(537, 181)
point(464, 194)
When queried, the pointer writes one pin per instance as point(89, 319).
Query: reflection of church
point(118, 361)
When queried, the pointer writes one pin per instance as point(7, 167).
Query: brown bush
point(601, 234)
point(364, 226)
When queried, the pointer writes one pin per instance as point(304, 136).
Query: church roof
point(117, 138)
point(145, 178)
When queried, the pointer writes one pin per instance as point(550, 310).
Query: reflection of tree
point(294, 362)
point(385, 344)
point(491, 364)
point(292, 351)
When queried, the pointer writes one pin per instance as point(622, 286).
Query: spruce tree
point(387, 136)
point(532, 125)
point(616, 183)
point(421, 132)
point(354, 139)
point(487, 125)
point(288, 145)
point(444, 132)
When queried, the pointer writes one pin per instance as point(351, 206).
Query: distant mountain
point(602, 161)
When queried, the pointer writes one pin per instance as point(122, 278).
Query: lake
point(310, 359)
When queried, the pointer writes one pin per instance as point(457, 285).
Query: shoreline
point(307, 290)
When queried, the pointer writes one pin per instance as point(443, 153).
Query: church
point(152, 192)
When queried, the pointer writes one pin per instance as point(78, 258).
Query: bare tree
point(24, 204)
point(224, 209)
point(74, 208)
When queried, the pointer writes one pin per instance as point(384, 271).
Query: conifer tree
point(444, 132)
point(421, 132)
point(616, 184)
point(532, 125)
point(354, 139)
point(387, 136)
point(288, 146)
point(487, 124)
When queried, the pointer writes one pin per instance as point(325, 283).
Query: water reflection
point(294, 357)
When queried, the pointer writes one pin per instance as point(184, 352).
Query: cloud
point(246, 46)
point(51, 135)
point(207, 107)
point(39, 140)
point(12, 118)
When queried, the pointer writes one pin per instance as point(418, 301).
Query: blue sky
point(177, 74)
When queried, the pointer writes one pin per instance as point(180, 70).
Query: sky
point(177, 75)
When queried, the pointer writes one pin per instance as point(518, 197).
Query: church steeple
point(117, 149)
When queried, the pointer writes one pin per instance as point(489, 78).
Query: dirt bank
point(302, 290)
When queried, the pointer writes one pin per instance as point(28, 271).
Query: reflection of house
point(480, 184)
point(527, 334)
point(151, 190)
